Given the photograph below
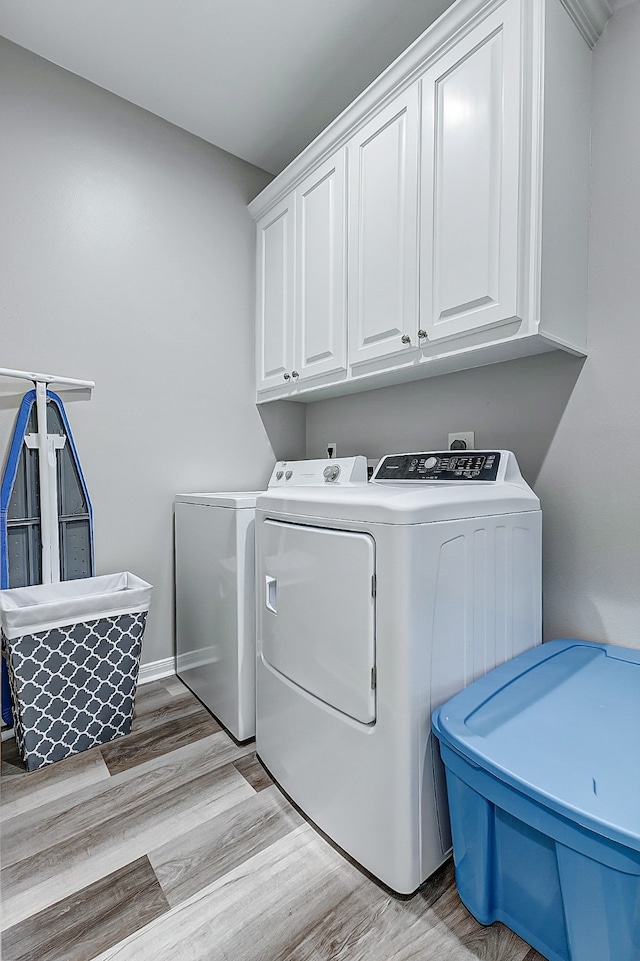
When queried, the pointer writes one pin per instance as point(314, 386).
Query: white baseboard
point(157, 670)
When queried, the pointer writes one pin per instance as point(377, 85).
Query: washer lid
point(230, 499)
point(561, 724)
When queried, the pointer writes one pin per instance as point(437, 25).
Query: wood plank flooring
point(173, 844)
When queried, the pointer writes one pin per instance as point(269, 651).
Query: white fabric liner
point(28, 610)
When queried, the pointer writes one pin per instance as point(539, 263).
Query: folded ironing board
point(67, 530)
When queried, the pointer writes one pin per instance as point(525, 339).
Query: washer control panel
point(315, 473)
point(477, 465)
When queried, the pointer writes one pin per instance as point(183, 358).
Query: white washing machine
point(376, 603)
point(215, 590)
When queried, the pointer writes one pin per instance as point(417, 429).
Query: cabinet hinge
point(374, 585)
point(374, 678)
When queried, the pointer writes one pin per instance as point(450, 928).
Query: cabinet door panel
point(383, 193)
point(320, 315)
point(471, 135)
point(275, 264)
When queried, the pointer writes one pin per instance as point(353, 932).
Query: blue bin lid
point(561, 724)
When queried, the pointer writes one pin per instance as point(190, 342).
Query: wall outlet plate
point(463, 440)
point(332, 449)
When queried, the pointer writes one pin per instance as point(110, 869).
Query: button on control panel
point(440, 466)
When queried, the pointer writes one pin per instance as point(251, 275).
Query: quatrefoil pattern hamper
point(73, 683)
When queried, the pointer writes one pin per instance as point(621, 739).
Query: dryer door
point(318, 613)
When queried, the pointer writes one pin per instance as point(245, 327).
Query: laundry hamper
point(72, 651)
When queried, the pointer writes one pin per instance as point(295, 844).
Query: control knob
point(331, 473)
point(430, 462)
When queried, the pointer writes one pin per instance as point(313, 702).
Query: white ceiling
point(259, 78)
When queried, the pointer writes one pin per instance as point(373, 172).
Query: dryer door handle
point(271, 593)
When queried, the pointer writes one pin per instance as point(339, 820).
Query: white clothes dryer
point(215, 589)
point(375, 604)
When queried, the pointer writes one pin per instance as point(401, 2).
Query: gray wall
point(575, 427)
point(127, 257)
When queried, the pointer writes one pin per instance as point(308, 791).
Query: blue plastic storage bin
point(542, 757)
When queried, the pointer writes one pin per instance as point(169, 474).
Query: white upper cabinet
point(274, 296)
point(301, 292)
point(471, 108)
point(441, 222)
point(320, 298)
point(383, 203)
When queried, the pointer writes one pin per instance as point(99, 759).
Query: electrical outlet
point(332, 450)
point(462, 440)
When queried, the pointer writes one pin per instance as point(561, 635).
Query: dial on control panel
point(331, 473)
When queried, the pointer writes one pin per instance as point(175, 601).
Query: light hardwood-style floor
point(173, 844)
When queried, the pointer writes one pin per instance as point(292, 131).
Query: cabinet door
point(383, 197)
point(275, 273)
point(470, 179)
point(320, 314)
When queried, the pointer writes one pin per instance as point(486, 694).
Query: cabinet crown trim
point(590, 17)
